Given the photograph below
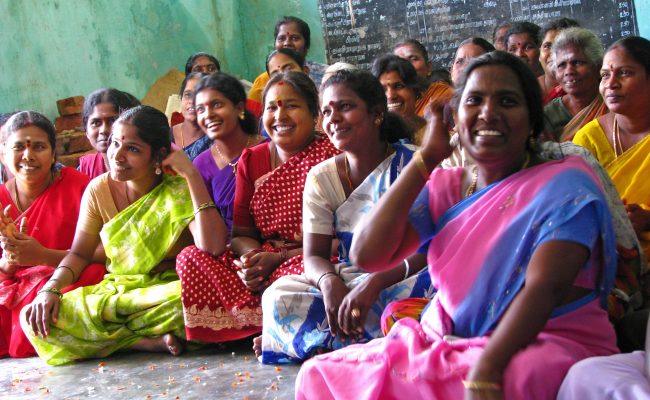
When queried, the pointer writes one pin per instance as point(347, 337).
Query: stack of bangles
point(481, 385)
point(204, 206)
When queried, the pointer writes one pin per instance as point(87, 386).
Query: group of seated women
point(451, 256)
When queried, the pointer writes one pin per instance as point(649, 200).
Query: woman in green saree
point(143, 219)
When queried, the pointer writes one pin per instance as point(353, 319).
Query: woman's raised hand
point(22, 249)
point(177, 163)
point(7, 225)
point(435, 145)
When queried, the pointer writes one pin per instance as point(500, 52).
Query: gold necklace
point(616, 138)
point(472, 186)
point(346, 164)
point(347, 173)
point(233, 165)
point(20, 206)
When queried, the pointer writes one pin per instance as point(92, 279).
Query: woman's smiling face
point(493, 117)
point(287, 118)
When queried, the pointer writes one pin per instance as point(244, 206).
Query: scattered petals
point(196, 379)
point(152, 367)
point(278, 369)
point(203, 368)
point(101, 364)
point(274, 385)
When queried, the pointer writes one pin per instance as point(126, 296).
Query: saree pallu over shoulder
point(524, 211)
point(222, 308)
point(51, 220)
point(628, 173)
point(142, 232)
point(130, 303)
point(437, 90)
point(295, 322)
point(283, 219)
point(478, 257)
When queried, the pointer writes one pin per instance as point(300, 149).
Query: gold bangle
point(201, 207)
point(52, 290)
point(481, 385)
point(422, 166)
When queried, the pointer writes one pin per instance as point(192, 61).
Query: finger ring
point(10, 256)
point(356, 313)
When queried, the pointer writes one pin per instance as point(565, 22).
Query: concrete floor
point(211, 373)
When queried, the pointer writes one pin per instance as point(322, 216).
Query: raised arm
point(209, 230)
point(385, 237)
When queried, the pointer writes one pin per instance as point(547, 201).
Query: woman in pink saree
point(522, 253)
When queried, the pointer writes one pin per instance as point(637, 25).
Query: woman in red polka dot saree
point(221, 295)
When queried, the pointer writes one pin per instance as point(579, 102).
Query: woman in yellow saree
point(143, 218)
point(620, 140)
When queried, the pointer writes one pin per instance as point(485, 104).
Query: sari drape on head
point(221, 307)
point(51, 220)
point(130, 303)
point(478, 258)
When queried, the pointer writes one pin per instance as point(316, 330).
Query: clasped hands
point(256, 266)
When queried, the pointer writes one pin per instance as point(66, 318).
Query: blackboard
point(357, 31)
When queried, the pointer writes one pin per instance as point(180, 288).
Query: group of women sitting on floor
point(488, 277)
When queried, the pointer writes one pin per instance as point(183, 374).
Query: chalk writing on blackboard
point(357, 31)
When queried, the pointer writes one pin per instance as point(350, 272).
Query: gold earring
point(158, 170)
point(242, 115)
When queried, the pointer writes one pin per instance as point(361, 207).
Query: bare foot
point(160, 344)
point(174, 345)
point(257, 346)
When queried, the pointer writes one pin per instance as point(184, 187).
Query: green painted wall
point(258, 19)
point(53, 49)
